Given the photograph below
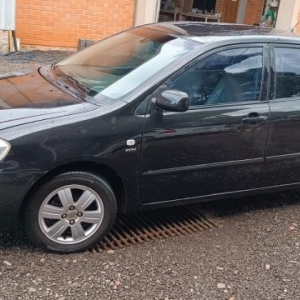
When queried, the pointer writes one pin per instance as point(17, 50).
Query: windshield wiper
point(69, 78)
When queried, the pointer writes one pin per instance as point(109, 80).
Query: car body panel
point(283, 147)
point(162, 164)
point(30, 98)
point(206, 151)
point(31, 90)
point(49, 145)
point(11, 201)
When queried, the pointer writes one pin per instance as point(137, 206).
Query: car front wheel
point(70, 213)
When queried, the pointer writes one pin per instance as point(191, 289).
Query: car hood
point(30, 90)
point(26, 98)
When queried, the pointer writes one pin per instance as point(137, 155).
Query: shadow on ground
point(14, 240)
point(220, 209)
point(235, 206)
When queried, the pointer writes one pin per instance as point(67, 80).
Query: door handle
point(255, 120)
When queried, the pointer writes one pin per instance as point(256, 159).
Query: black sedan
point(162, 114)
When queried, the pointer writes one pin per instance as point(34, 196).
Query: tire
point(70, 213)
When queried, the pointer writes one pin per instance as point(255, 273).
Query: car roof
point(210, 32)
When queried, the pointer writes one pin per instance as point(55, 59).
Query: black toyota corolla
point(163, 114)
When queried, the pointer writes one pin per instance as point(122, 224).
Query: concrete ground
point(253, 254)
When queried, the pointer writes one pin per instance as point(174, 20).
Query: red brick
point(63, 22)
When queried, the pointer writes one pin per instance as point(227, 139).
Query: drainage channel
point(159, 224)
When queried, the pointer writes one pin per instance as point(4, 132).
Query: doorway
point(205, 5)
point(189, 10)
point(229, 12)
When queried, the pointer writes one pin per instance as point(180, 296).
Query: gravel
point(253, 254)
point(25, 60)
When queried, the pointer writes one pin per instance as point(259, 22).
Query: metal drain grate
point(151, 225)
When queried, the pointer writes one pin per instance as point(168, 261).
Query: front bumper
point(13, 189)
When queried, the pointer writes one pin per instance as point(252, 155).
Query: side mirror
point(173, 100)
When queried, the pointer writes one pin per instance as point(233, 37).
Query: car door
point(217, 146)
point(283, 147)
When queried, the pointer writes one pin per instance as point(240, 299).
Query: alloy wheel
point(71, 214)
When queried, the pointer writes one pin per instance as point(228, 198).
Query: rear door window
point(287, 73)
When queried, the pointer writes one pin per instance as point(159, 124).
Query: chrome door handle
point(255, 120)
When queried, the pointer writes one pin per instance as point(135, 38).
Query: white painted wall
point(241, 12)
point(295, 19)
point(288, 14)
point(146, 11)
point(7, 14)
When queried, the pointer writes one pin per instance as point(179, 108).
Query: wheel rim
point(71, 214)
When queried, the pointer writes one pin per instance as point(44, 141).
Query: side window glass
point(224, 77)
point(287, 72)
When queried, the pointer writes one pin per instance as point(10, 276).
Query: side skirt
point(212, 197)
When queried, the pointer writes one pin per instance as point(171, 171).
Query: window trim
point(220, 106)
point(264, 81)
point(273, 87)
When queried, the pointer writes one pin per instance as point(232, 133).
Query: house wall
point(219, 6)
point(296, 18)
point(60, 23)
point(3, 42)
point(146, 11)
point(242, 11)
point(254, 10)
point(297, 28)
point(285, 14)
point(289, 16)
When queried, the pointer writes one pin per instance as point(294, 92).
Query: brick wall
point(60, 23)
point(254, 11)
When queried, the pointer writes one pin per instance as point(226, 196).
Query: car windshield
point(116, 66)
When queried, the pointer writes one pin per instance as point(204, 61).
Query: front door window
point(229, 76)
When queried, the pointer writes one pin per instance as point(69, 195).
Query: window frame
point(273, 85)
point(264, 89)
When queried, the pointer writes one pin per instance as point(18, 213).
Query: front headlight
point(4, 149)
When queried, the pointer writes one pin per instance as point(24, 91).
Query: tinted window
point(287, 70)
point(224, 77)
point(121, 63)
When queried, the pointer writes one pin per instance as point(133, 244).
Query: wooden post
point(10, 41)
point(187, 5)
point(13, 32)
